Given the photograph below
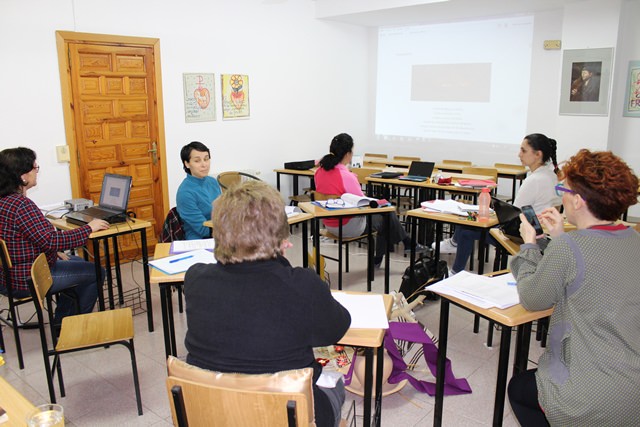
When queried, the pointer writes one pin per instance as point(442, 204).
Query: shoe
point(446, 246)
point(420, 250)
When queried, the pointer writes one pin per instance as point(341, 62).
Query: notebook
point(419, 171)
point(508, 219)
point(114, 199)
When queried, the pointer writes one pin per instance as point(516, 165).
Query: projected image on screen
point(465, 81)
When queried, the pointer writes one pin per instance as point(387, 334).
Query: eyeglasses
point(560, 188)
point(37, 168)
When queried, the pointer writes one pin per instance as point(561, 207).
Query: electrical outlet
point(552, 44)
point(62, 153)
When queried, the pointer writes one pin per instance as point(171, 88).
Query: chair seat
point(102, 327)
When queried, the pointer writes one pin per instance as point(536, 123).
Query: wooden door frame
point(63, 39)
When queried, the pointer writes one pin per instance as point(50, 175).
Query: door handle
point(154, 153)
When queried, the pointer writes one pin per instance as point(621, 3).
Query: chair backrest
point(172, 227)
point(382, 156)
point(473, 170)
point(363, 173)
point(458, 162)
point(406, 158)
point(510, 166)
point(227, 179)
point(316, 195)
point(6, 266)
point(41, 278)
point(230, 399)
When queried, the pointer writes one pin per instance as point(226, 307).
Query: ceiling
point(395, 12)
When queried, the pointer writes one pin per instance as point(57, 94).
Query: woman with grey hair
point(253, 312)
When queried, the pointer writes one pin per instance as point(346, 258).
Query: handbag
point(426, 272)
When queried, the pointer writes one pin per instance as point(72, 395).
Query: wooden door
point(113, 123)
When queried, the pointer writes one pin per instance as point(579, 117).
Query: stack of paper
point(292, 211)
point(448, 206)
point(180, 246)
point(485, 292)
point(181, 262)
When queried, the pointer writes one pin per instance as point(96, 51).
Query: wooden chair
point(199, 397)
point(79, 332)
point(476, 170)
point(406, 158)
point(382, 156)
point(458, 162)
point(227, 179)
point(341, 241)
point(12, 318)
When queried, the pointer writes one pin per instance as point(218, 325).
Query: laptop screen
point(115, 191)
point(421, 168)
point(504, 211)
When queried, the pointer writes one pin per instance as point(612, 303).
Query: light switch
point(62, 153)
point(552, 44)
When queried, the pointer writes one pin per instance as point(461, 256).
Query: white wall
point(305, 76)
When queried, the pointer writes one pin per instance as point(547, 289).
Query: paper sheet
point(181, 262)
point(367, 311)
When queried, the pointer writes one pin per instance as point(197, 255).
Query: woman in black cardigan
point(253, 312)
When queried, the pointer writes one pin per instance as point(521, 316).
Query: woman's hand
point(527, 232)
point(98, 224)
point(552, 221)
point(63, 256)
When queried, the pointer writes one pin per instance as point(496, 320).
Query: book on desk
point(483, 291)
point(349, 201)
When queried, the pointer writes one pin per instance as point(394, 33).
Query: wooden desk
point(131, 226)
point(515, 316)
point(15, 404)
point(442, 218)
point(303, 218)
point(514, 174)
point(435, 190)
point(386, 162)
point(370, 339)
point(320, 213)
point(295, 173)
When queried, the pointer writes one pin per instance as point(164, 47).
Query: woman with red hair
point(589, 374)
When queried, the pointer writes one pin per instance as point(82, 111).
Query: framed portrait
point(632, 99)
point(586, 78)
point(235, 96)
point(199, 97)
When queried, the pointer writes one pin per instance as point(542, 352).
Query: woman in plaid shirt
point(28, 233)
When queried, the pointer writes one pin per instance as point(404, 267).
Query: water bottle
point(483, 204)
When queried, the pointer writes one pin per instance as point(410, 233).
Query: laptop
point(419, 171)
point(114, 199)
point(508, 219)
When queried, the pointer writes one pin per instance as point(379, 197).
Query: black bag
point(425, 272)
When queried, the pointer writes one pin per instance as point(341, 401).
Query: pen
point(180, 259)
point(511, 283)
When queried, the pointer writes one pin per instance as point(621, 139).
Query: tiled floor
point(99, 384)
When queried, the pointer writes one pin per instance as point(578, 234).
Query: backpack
point(426, 271)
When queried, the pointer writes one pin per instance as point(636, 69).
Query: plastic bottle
point(483, 204)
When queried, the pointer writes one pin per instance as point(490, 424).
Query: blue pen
point(512, 283)
point(180, 259)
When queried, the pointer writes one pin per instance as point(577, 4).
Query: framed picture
point(586, 78)
point(235, 96)
point(632, 100)
point(199, 97)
